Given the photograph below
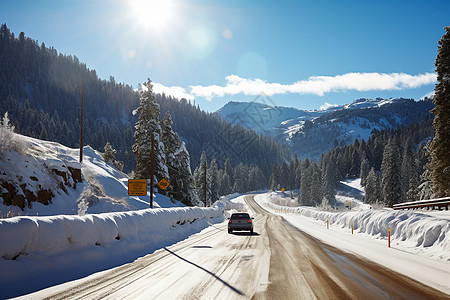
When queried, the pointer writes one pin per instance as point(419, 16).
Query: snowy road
point(277, 262)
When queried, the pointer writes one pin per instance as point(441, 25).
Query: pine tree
point(199, 179)
point(426, 184)
point(391, 172)
point(6, 134)
point(275, 178)
point(110, 154)
point(255, 179)
point(413, 190)
point(225, 184)
point(240, 179)
point(364, 172)
point(329, 183)
point(306, 187)
point(409, 167)
point(148, 124)
point(440, 146)
point(212, 175)
point(110, 157)
point(178, 162)
point(316, 185)
point(372, 188)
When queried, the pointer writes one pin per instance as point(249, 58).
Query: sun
point(152, 14)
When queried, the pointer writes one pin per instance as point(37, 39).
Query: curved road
point(277, 262)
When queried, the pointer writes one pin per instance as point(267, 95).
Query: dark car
point(239, 222)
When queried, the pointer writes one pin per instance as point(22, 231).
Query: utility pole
point(152, 171)
point(205, 182)
point(81, 132)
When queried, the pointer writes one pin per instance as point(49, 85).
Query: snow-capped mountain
point(311, 133)
point(263, 118)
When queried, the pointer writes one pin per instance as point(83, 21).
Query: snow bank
point(232, 202)
point(44, 236)
point(417, 231)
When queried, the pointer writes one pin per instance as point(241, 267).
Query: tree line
point(390, 164)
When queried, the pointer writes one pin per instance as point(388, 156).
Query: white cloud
point(174, 91)
point(314, 85)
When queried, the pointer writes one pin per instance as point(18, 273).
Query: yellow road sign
point(137, 187)
point(163, 183)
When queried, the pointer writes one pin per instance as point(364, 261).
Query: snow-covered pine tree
point(6, 133)
point(409, 167)
point(372, 188)
point(110, 154)
point(199, 179)
point(364, 170)
point(329, 183)
point(110, 157)
point(440, 146)
point(240, 180)
point(256, 179)
point(148, 124)
point(316, 185)
point(177, 161)
point(304, 198)
point(275, 178)
point(426, 186)
point(413, 190)
point(391, 172)
point(228, 169)
point(212, 177)
point(225, 184)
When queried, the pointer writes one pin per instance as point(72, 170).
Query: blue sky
point(302, 54)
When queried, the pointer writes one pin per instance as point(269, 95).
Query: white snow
point(103, 189)
point(37, 252)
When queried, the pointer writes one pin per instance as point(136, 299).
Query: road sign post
point(152, 171)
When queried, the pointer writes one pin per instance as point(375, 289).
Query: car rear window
point(240, 216)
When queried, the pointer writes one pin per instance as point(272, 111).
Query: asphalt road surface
point(278, 261)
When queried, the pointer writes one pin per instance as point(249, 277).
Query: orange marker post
point(352, 227)
point(389, 237)
point(328, 224)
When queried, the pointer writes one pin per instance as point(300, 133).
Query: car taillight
point(249, 221)
point(229, 221)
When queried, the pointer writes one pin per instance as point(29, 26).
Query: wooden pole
point(81, 131)
point(152, 171)
point(205, 183)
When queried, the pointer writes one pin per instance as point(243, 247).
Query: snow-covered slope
point(311, 133)
point(46, 178)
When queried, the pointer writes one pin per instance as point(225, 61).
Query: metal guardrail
point(439, 204)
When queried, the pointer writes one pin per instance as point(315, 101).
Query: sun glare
point(152, 14)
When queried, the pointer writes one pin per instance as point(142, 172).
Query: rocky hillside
point(46, 178)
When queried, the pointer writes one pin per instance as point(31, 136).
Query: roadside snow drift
point(418, 231)
point(52, 235)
